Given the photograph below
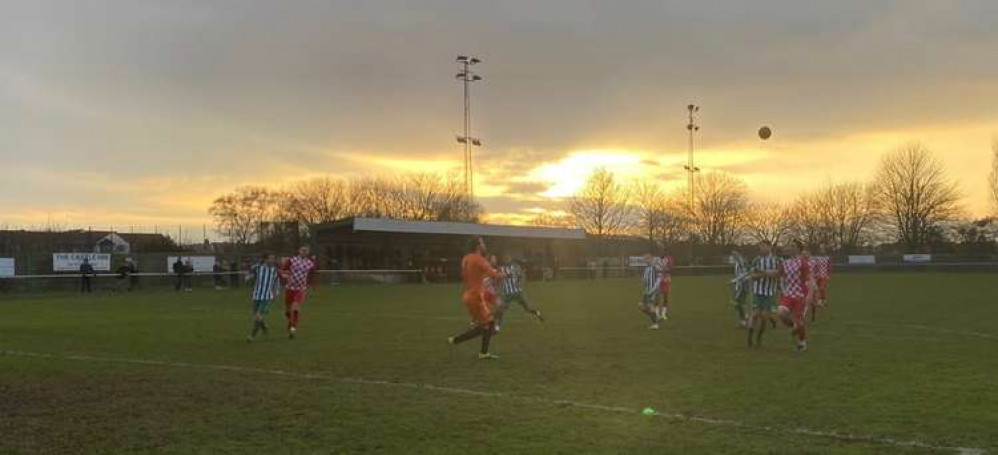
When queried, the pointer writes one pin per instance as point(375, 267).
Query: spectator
point(188, 275)
point(234, 277)
point(86, 273)
point(178, 271)
point(127, 277)
point(219, 276)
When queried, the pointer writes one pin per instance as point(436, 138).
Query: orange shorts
point(478, 309)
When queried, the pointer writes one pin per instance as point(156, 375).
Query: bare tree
point(768, 222)
point(552, 219)
point(719, 208)
point(314, 201)
point(240, 214)
point(650, 209)
point(993, 177)
point(915, 194)
point(849, 211)
point(602, 207)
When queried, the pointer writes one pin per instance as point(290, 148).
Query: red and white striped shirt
point(795, 274)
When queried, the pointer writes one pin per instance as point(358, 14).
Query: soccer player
point(797, 282)
point(474, 269)
point(651, 283)
point(665, 285)
point(765, 285)
point(740, 285)
point(511, 290)
point(297, 272)
point(489, 292)
point(264, 290)
point(822, 270)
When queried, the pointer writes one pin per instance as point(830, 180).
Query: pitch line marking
point(989, 336)
point(849, 437)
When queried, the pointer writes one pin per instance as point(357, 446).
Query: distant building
point(375, 243)
point(19, 242)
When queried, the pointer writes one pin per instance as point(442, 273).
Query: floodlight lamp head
point(476, 78)
point(473, 61)
point(477, 142)
point(462, 58)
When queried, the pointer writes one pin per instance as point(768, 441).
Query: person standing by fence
point(178, 271)
point(86, 273)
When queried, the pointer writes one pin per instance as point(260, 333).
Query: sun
point(567, 175)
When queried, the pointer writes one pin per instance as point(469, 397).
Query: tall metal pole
point(469, 186)
point(466, 76)
point(691, 168)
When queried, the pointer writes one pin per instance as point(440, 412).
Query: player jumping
point(474, 269)
point(264, 290)
point(511, 290)
point(650, 289)
point(797, 284)
point(765, 285)
point(297, 272)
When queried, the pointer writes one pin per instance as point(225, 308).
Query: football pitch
point(897, 363)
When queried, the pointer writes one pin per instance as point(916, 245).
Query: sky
point(139, 113)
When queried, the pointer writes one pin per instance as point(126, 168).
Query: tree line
point(910, 202)
point(257, 214)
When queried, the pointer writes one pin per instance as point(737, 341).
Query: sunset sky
point(141, 112)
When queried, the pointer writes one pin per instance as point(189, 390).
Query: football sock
point(741, 312)
point(294, 318)
point(487, 337)
point(751, 331)
point(256, 326)
point(473, 332)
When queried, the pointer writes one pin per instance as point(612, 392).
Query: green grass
point(907, 357)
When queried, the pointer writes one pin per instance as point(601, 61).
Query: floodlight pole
point(692, 127)
point(466, 76)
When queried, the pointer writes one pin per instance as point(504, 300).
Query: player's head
point(303, 251)
point(268, 258)
point(506, 259)
point(86, 260)
point(648, 258)
point(795, 247)
point(476, 245)
point(765, 247)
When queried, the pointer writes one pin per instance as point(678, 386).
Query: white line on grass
point(850, 437)
point(989, 336)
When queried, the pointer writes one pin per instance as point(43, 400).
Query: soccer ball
point(765, 133)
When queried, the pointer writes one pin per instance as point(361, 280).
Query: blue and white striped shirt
point(513, 282)
point(650, 280)
point(265, 287)
point(766, 285)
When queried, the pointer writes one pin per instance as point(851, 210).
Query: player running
point(765, 285)
point(474, 269)
point(511, 290)
point(740, 286)
point(797, 284)
point(665, 286)
point(650, 290)
point(822, 266)
point(264, 289)
point(297, 272)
